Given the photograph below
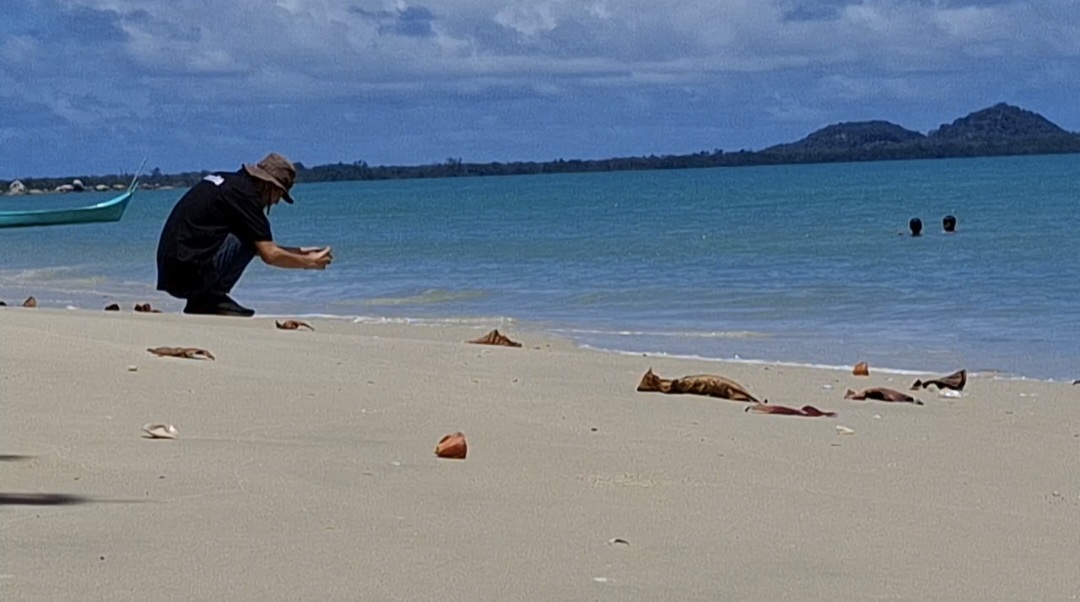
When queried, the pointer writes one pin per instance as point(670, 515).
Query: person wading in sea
point(218, 227)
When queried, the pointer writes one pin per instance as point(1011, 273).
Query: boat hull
point(107, 211)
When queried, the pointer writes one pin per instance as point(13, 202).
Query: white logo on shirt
point(216, 179)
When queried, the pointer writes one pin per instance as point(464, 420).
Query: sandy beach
point(304, 470)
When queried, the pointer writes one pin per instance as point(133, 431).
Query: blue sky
point(92, 86)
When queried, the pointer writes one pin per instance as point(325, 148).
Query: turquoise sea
point(801, 264)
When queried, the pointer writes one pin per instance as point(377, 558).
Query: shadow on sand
point(42, 499)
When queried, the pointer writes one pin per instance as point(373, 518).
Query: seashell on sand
point(161, 431)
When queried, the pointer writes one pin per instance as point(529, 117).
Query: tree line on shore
point(1000, 130)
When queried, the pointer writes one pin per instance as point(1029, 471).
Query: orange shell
point(452, 446)
point(861, 369)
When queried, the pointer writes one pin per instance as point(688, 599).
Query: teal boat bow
point(107, 211)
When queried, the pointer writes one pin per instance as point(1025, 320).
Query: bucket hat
point(277, 170)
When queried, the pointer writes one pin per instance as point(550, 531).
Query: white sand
point(305, 471)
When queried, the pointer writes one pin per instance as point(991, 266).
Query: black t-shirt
point(222, 203)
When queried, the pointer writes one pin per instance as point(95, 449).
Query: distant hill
point(850, 136)
point(1001, 129)
point(998, 130)
point(997, 123)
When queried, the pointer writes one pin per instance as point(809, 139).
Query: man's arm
point(290, 257)
point(302, 250)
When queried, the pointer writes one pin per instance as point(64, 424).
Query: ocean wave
point(736, 359)
point(991, 373)
point(51, 274)
point(355, 319)
point(691, 334)
point(428, 297)
point(504, 321)
point(306, 316)
point(75, 289)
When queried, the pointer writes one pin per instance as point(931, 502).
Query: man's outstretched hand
point(308, 258)
point(319, 257)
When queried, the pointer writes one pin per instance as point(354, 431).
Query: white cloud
point(867, 88)
point(378, 42)
point(528, 19)
point(18, 52)
point(154, 63)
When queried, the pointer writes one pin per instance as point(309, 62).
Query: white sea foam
point(428, 297)
point(755, 361)
point(718, 334)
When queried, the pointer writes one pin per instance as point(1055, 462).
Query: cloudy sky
point(92, 86)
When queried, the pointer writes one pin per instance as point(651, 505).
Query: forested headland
point(994, 131)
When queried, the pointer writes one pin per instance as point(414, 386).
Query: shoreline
point(580, 339)
point(304, 469)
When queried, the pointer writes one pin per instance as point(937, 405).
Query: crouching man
point(218, 227)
